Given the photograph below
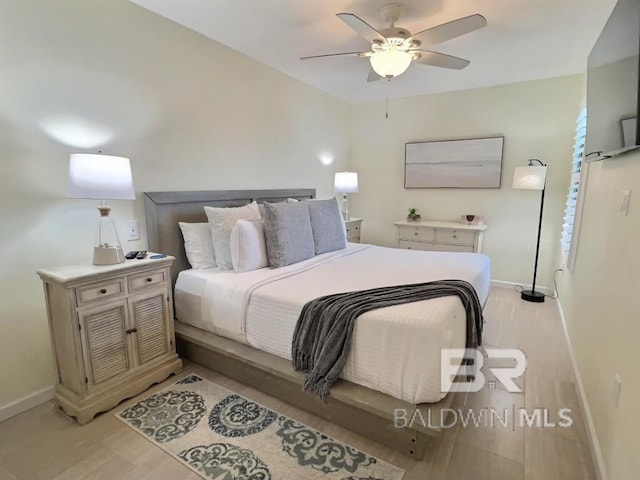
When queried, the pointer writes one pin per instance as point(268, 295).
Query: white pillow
point(248, 247)
point(198, 245)
point(221, 221)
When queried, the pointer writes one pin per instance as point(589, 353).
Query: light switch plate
point(133, 232)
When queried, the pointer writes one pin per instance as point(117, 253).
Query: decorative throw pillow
point(248, 248)
point(326, 225)
point(198, 245)
point(221, 221)
point(287, 232)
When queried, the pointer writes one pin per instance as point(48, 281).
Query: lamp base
point(107, 255)
point(532, 296)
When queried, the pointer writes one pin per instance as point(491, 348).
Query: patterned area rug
point(223, 436)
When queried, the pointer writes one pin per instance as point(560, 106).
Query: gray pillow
point(326, 225)
point(287, 232)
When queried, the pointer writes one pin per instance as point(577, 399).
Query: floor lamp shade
point(102, 177)
point(532, 177)
point(345, 183)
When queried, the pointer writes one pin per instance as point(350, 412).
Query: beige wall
point(600, 303)
point(190, 113)
point(537, 120)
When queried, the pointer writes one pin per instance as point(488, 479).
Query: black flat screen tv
point(613, 85)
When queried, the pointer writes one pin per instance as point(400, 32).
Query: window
point(573, 208)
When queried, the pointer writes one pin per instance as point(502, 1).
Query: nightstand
point(111, 332)
point(353, 229)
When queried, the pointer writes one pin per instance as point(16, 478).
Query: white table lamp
point(102, 177)
point(345, 183)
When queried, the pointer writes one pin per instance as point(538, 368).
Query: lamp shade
point(390, 63)
point(346, 182)
point(100, 177)
point(529, 178)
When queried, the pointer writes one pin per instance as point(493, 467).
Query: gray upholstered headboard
point(163, 211)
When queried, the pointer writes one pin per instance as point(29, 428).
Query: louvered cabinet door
point(104, 337)
point(150, 320)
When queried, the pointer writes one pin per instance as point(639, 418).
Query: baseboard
point(504, 284)
point(594, 444)
point(25, 403)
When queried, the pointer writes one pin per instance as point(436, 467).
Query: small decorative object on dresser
point(111, 332)
point(413, 215)
point(353, 229)
point(439, 236)
point(472, 219)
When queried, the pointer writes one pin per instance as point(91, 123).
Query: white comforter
point(395, 350)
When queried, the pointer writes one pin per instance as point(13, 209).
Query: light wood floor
point(43, 444)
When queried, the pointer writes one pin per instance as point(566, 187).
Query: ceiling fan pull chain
point(386, 113)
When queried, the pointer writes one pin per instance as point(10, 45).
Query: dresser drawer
point(456, 237)
point(425, 234)
point(443, 247)
point(99, 291)
point(354, 239)
point(138, 282)
point(409, 245)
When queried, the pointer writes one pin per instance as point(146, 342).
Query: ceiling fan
point(393, 48)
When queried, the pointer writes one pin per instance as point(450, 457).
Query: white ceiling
point(524, 39)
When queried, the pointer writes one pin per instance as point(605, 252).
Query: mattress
point(395, 350)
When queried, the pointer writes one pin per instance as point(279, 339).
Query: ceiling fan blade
point(373, 76)
point(361, 27)
point(452, 29)
point(346, 54)
point(441, 60)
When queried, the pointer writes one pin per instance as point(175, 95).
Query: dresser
point(111, 332)
point(353, 229)
point(439, 236)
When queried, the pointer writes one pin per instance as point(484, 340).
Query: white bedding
point(395, 350)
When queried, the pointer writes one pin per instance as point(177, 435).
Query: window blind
point(574, 185)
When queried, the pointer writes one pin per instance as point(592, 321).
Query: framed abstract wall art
point(473, 163)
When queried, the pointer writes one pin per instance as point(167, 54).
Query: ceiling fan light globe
point(390, 63)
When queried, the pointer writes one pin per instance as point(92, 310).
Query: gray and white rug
point(223, 436)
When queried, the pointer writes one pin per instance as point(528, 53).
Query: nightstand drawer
point(146, 280)
point(353, 230)
point(100, 291)
point(416, 233)
point(455, 237)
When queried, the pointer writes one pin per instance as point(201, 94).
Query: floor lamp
point(532, 177)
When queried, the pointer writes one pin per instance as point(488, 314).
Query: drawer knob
point(149, 279)
point(132, 330)
point(455, 236)
point(415, 233)
point(103, 291)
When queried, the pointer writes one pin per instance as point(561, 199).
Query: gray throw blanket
point(322, 338)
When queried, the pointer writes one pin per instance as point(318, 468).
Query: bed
point(242, 323)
